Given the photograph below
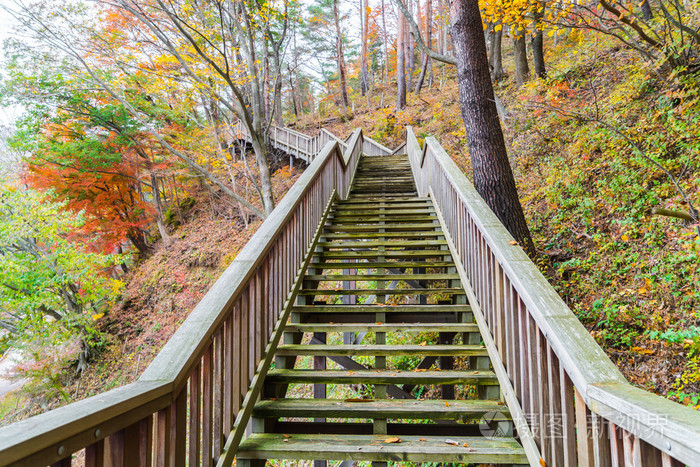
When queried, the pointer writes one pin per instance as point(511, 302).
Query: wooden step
point(393, 243)
point(475, 377)
point(360, 219)
point(381, 308)
point(374, 212)
point(374, 254)
point(377, 350)
point(383, 264)
point(409, 203)
point(383, 327)
point(381, 277)
point(375, 448)
point(383, 409)
point(431, 234)
point(412, 291)
point(375, 227)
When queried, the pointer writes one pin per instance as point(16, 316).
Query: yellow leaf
point(393, 440)
point(624, 238)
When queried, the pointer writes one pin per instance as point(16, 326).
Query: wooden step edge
point(360, 292)
point(383, 277)
point(381, 309)
point(376, 448)
point(381, 408)
point(469, 377)
point(382, 350)
point(383, 327)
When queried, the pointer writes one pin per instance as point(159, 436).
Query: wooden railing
point(183, 407)
point(579, 407)
point(306, 147)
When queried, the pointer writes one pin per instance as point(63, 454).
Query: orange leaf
point(392, 440)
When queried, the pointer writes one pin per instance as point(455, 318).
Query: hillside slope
point(159, 293)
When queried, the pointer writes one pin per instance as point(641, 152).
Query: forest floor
point(631, 277)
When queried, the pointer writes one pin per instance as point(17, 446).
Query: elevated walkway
point(402, 243)
point(381, 313)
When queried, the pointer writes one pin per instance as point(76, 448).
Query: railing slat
point(195, 416)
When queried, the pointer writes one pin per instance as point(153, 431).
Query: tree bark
point(522, 70)
point(496, 55)
point(364, 67)
point(493, 177)
point(646, 11)
point(538, 41)
point(410, 49)
point(342, 81)
point(400, 65)
point(428, 36)
point(386, 46)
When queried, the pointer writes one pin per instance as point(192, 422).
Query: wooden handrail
point(581, 408)
point(192, 390)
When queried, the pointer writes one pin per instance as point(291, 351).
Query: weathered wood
point(382, 350)
point(387, 264)
point(384, 308)
point(405, 291)
point(373, 448)
point(386, 408)
point(381, 277)
point(382, 377)
point(385, 327)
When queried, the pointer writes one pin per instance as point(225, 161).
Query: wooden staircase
point(399, 372)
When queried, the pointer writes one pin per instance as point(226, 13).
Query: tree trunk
point(425, 61)
point(429, 35)
point(386, 46)
point(646, 11)
point(159, 209)
point(266, 82)
point(342, 81)
point(259, 148)
point(522, 70)
point(364, 68)
point(423, 70)
point(493, 177)
point(410, 55)
point(496, 55)
point(400, 66)
point(538, 42)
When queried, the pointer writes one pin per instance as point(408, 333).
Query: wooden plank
point(427, 226)
point(384, 408)
point(381, 277)
point(370, 235)
point(404, 291)
point(373, 448)
point(393, 243)
point(386, 264)
point(195, 416)
point(95, 454)
point(382, 350)
point(385, 309)
point(385, 327)
point(371, 254)
point(382, 377)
